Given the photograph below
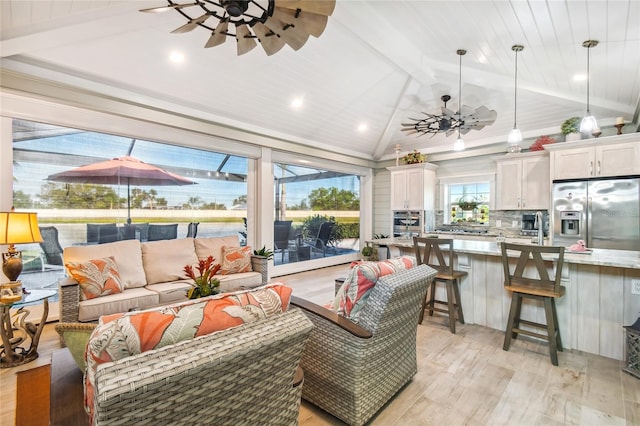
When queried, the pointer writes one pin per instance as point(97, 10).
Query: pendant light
point(515, 136)
point(458, 145)
point(588, 124)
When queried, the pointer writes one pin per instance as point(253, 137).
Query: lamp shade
point(19, 228)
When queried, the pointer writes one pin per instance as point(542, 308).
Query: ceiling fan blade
point(310, 23)
point(269, 40)
point(294, 38)
point(218, 35)
point(161, 9)
point(245, 40)
point(191, 25)
point(447, 112)
point(321, 7)
point(466, 110)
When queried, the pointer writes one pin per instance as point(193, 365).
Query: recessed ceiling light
point(580, 77)
point(297, 103)
point(176, 57)
point(362, 127)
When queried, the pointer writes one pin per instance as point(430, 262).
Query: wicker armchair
point(352, 370)
point(241, 376)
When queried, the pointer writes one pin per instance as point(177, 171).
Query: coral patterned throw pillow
point(236, 260)
point(98, 277)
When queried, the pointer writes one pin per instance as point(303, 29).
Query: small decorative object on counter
point(619, 124)
point(205, 284)
point(578, 246)
point(542, 140)
point(414, 157)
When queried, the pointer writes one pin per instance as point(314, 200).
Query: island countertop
point(599, 257)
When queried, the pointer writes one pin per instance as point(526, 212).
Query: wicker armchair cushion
point(236, 260)
point(121, 335)
point(97, 277)
point(362, 277)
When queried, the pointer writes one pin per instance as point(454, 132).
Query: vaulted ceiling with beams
point(376, 64)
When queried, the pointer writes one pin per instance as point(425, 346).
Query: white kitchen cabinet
point(522, 181)
point(413, 187)
point(604, 157)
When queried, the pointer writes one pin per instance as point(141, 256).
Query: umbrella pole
point(128, 203)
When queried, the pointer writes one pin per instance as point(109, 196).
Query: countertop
point(598, 257)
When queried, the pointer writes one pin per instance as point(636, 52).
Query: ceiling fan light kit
point(515, 136)
point(273, 23)
point(589, 123)
point(450, 122)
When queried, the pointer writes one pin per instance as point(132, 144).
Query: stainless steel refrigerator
point(605, 213)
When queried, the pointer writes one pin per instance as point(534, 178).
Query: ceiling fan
point(273, 23)
point(449, 121)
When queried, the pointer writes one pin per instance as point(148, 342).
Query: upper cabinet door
point(617, 160)
point(575, 163)
point(398, 190)
point(508, 186)
point(536, 183)
point(415, 189)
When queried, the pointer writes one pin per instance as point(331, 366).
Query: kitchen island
point(597, 304)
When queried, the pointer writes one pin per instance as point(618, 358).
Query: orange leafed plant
point(205, 284)
point(542, 140)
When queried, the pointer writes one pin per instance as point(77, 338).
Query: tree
point(79, 196)
point(21, 200)
point(240, 200)
point(213, 206)
point(333, 199)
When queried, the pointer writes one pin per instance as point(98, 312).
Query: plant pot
point(572, 137)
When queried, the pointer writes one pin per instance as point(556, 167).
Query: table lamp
point(16, 228)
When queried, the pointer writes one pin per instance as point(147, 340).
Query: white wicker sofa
point(152, 274)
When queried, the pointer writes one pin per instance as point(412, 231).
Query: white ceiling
point(377, 62)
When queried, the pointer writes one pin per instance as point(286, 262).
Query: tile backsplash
point(505, 218)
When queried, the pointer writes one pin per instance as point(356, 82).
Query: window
point(468, 202)
point(305, 198)
point(216, 200)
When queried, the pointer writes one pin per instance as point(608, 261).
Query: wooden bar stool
point(534, 284)
point(438, 253)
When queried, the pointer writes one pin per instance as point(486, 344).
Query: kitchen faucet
point(540, 225)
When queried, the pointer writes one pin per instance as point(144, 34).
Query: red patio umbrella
point(118, 171)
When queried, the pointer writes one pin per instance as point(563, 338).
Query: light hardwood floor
point(463, 379)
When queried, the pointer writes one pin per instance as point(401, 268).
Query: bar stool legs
point(552, 330)
point(454, 306)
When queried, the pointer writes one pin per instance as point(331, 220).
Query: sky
point(30, 177)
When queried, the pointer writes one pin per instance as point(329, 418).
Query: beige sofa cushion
point(138, 298)
point(206, 247)
point(242, 280)
point(172, 291)
point(165, 260)
point(127, 254)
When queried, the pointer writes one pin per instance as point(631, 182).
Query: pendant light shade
point(459, 143)
point(588, 124)
point(515, 136)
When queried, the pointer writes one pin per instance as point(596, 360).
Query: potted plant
point(205, 283)
point(570, 129)
point(542, 140)
point(367, 252)
point(414, 157)
point(264, 252)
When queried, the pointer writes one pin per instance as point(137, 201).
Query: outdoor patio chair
point(162, 232)
point(320, 243)
point(51, 248)
point(101, 233)
point(353, 369)
point(192, 229)
point(281, 231)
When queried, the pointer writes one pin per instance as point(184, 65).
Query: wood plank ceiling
point(377, 63)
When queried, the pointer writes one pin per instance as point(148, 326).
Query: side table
point(15, 334)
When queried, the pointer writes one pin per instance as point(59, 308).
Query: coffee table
point(15, 335)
